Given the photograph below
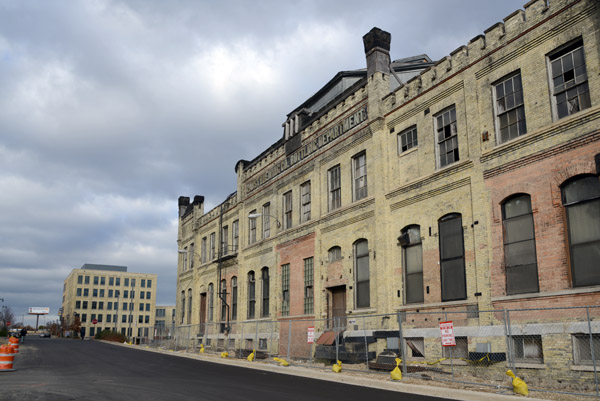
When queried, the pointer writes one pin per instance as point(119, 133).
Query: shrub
point(110, 335)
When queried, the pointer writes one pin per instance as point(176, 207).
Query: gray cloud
point(112, 109)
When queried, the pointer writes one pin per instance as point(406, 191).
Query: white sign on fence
point(311, 335)
point(447, 330)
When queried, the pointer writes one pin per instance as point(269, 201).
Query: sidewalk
point(356, 378)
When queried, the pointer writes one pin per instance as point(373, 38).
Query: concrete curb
point(433, 391)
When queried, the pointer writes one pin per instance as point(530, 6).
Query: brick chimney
point(184, 202)
point(377, 51)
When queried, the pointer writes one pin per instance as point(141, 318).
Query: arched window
point(581, 198)
point(234, 298)
point(452, 258)
point(361, 266)
point(412, 258)
point(519, 245)
point(264, 274)
point(334, 253)
point(211, 291)
point(223, 303)
point(251, 295)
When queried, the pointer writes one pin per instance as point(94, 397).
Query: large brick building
point(470, 183)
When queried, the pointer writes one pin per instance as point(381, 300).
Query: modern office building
point(106, 297)
point(466, 184)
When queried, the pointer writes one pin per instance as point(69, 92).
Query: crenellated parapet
point(511, 28)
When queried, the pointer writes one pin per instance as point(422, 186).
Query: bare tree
point(75, 326)
point(7, 315)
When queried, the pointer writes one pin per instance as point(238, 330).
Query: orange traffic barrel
point(7, 358)
point(14, 342)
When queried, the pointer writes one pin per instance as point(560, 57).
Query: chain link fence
point(552, 349)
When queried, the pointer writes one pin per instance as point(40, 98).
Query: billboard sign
point(38, 310)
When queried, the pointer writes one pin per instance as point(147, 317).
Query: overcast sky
point(110, 110)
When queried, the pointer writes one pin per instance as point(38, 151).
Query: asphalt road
point(61, 369)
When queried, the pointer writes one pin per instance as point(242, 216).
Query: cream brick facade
point(414, 187)
point(119, 300)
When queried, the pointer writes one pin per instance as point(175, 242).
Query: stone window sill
point(584, 368)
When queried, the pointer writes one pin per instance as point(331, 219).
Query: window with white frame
point(570, 90)
point(225, 240)
point(285, 289)
point(509, 108)
point(212, 245)
point(583, 346)
point(234, 298)
point(305, 202)
point(266, 220)
point(211, 300)
point(264, 275)
point(189, 312)
point(528, 349)
point(235, 235)
point(203, 253)
point(359, 176)
point(309, 278)
point(252, 228)
point(407, 139)
point(287, 210)
point(446, 136)
point(334, 187)
point(362, 276)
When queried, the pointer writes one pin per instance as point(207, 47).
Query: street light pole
point(256, 215)
point(223, 294)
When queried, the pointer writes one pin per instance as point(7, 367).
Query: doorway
point(338, 307)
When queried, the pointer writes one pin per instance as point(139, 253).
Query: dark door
point(338, 306)
point(202, 312)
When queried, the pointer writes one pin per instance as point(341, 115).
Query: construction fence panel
point(555, 348)
point(552, 349)
point(463, 346)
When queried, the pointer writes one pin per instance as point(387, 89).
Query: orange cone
point(7, 358)
point(14, 342)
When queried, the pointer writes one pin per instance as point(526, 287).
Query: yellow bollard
point(202, 348)
point(337, 367)
point(251, 356)
point(519, 386)
point(396, 374)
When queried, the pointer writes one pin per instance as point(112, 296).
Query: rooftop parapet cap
point(377, 38)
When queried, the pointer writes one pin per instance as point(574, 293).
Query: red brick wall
point(541, 180)
point(294, 252)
